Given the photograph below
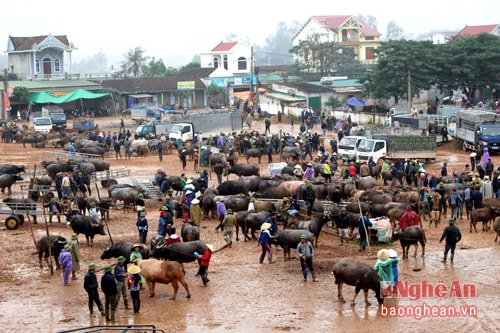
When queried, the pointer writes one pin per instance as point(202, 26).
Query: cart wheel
point(12, 222)
point(21, 219)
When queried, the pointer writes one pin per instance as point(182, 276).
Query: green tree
point(399, 60)
point(276, 49)
point(155, 68)
point(134, 62)
point(471, 62)
point(186, 68)
point(394, 31)
point(21, 95)
point(215, 93)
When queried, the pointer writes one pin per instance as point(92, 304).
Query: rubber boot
point(91, 310)
point(113, 316)
point(204, 280)
point(102, 310)
point(451, 258)
point(314, 277)
point(444, 259)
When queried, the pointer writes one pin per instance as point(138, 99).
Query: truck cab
point(371, 148)
point(59, 120)
point(488, 136)
point(42, 124)
point(348, 146)
point(183, 131)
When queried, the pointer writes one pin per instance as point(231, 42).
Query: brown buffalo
point(485, 215)
point(496, 227)
point(159, 271)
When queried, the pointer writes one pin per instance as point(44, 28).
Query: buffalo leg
point(339, 294)
point(185, 285)
point(366, 297)
point(356, 292)
point(151, 287)
point(416, 248)
point(175, 285)
point(423, 248)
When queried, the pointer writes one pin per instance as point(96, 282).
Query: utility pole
point(5, 86)
point(250, 96)
point(409, 92)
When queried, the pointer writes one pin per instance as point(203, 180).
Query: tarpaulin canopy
point(44, 97)
point(353, 101)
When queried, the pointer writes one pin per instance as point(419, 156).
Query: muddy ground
point(243, 295)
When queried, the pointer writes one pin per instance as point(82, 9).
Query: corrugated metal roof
point(287, 98)
point(59, 85)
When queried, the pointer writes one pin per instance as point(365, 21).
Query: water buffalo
point(12, 169)
point(264, 206)
point(253, 221)
point(410, 236)
point(232, 187)
point(7, 180)
point(291, 153)
point(315, 225)
point(485, 215)
point(123, 249)
point(289, 239)
point(254, 152)
point(56, 245)
point(240, 222)
point(252, 181)
point(159, 271)
point(244, 170)
point(237, 204)
point(496, 227)
point(53, 169)
point(92, 150)
point(278, 192)
point(208, 206)
point(89, 167)
point(357, 274)
point(190, 232)
point(126, 194)
point(182, 252)
point(85, 225)
point(100, 165)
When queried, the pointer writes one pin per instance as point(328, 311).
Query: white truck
point(42, 124)
point(348, 147)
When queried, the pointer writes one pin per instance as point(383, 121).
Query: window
point(216, 63)
point(37, 66)
point(379, 146)
point(369, 38)
point(242, 63)
point(225, 62)
point(57, 65)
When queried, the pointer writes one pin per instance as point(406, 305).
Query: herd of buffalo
point(358, 194)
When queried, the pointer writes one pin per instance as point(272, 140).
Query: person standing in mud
point(452, 235)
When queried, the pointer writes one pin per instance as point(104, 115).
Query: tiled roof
point(26, 43)
point(224, 46)
point(474, 30)
point(333, 22)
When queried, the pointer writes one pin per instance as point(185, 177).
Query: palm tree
point(134, 61)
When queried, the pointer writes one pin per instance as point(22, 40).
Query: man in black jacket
point(110, 290)
point(91, 287)
point(453, 236)
point(309, 197)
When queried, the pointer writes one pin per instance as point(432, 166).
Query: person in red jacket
point(204, 262)
point(409, 218)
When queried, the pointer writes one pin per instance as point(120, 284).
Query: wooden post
point(105, 221)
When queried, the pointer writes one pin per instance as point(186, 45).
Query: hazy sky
point(177, 30)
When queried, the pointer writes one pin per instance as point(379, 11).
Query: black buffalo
point(100, 165)
point(190, 232)
point(289, 239)
point(181, 252)
point(56, 245)
point(85, 225)
point(410, 236)
point(252, 221)
point(7, 180)
point(12, 169)
point(244, 170)
point(123, 249)
point(232, 187)
point(315, 225)
point(357, 274)
point(254, 152)
point(208, 206)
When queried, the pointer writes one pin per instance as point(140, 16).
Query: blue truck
point(479, 129)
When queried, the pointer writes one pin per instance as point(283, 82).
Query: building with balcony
point(39, 57)
point(347, 31)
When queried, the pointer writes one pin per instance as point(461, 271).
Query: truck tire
point(12, 222)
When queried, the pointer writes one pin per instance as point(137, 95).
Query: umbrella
point(353, 101)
